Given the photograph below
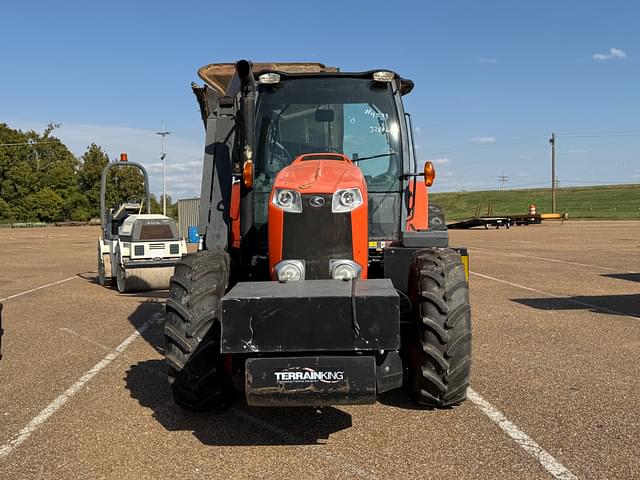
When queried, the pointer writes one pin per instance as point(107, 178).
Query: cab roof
point(219, 75)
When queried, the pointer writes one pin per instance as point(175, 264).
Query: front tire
point(441, 357)
point(192, 331)
point(121, 279)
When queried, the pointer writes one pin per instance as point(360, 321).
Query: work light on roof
point(383, 76)
point(269, 78)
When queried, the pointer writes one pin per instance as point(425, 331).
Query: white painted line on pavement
point(511, 254)
point(544, 458)
point(38, 288)
point(37, 421)
point(564, 298)
point(332, 457)
point(86, 339)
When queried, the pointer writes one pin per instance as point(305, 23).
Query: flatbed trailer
point(496, 221)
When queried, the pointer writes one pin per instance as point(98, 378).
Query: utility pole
point(503, 179)
point(552, 141)
point(163, 155)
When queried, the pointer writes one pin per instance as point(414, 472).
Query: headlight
point(289, 270)
point(346, 200)
point(344, 269)
point(287, 200)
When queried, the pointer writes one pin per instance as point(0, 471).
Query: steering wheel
point(284, 150)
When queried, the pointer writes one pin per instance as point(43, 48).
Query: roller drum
point(141, 279)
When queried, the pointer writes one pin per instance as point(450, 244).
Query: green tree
point(92, 164)
point(124, 184)
point(45, 205)
point(32, 163)
point(156, 206)
point(76, 207)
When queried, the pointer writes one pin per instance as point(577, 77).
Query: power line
point(520, 141)
point(632, 132)
point(483, 146)
point(503, 179)
point(27, 143)
point(604, 135)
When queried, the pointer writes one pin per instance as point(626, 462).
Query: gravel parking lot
point(555, 381)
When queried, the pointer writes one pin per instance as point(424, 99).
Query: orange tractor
point(323, 276)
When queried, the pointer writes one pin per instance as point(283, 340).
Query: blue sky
point(493, 79)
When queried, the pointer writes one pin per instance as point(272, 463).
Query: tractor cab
point(347, 114)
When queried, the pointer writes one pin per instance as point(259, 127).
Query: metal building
point(188, 215)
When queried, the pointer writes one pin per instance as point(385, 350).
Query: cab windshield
point(353, 116)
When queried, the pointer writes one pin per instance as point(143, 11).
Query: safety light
point(429, 174)
point(287, 200)
point(344, 269)
point(383, 76)
point(346, 200)
point(247, 174)
point(269, 78)
point(123, 157)
point(289, 270)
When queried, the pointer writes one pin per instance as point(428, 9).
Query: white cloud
point(488, 60)
point(614, 53)
point(525, 157)
point(483, 140)
point(575, 151)
point(183, 161)
point(417, 129)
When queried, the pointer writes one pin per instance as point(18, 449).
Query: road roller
point(136, 250)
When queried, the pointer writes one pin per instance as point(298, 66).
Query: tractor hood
point(320, 173)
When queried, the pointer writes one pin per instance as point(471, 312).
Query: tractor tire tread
point(192, 332)
point(440, 371)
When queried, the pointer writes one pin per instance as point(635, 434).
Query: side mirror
point(429, 174)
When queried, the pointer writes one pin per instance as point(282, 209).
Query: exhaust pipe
point(248, 115)
point(247, 106)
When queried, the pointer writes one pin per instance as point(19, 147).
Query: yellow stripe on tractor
point(464, 256)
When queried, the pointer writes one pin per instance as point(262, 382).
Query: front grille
point(317, 235)
point(174, 249)
point(138, 250)
point(156, 246)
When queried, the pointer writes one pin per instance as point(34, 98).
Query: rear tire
point(192, 331)
point(441, 357)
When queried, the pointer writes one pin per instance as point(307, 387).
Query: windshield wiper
point(374, 156)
